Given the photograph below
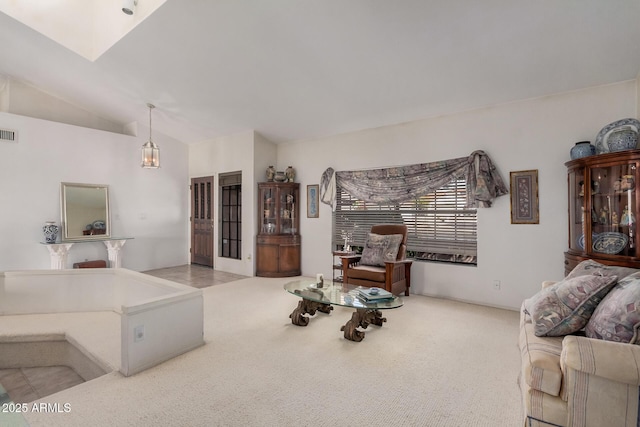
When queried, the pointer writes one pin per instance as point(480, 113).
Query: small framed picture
point(312, 201)
point(524, 197)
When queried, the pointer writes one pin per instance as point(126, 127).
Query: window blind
point(437, 223)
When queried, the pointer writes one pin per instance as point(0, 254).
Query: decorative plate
point(99, 225)
point(610, 242)
point(601, 147)
point(580, 240)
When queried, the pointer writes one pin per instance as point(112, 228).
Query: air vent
point(8, 135)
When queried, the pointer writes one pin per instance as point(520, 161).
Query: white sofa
point(576, 381)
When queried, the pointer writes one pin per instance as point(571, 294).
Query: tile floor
point(28, 384)
point(195, 275)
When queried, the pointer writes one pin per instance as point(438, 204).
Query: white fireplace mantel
point(60, 251)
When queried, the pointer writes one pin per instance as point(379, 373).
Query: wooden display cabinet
point(603, 209)
point(278, 240)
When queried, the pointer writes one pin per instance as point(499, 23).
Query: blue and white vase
point(50, 230)
point(582, 149)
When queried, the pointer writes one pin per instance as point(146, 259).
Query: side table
point(338, 266)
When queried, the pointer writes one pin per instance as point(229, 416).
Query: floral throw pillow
point(617, 317)
point(566, 307)
point(380, 248)
point(590, 266)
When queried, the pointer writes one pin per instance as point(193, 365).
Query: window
point(231, 215)
point(439, 226)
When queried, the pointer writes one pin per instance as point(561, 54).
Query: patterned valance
point(399, 184)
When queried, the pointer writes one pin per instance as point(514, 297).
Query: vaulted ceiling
point(298, 70)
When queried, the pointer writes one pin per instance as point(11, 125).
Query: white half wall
point(530, 134)
point(149, 205)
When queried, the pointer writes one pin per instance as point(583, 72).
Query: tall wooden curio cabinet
point(278, 240)
point(603, 209)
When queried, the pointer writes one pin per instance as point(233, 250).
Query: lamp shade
point(150, 155)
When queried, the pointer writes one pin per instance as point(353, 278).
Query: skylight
point(87, 27)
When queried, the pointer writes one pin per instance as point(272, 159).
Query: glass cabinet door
point(268, 210)
point(576, 210)
point(613, 201)
point(288, 200)
point(279, 208)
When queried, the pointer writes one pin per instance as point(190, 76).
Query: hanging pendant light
point(150, 151)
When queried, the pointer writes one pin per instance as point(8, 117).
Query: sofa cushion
point(542, 406)
point(566, 307)
point(540, 358)
point(380, 248)
point(617, 317)
point(589, 267)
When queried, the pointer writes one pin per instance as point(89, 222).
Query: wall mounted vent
point(8, 135)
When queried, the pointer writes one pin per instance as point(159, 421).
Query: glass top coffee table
point(315, 298)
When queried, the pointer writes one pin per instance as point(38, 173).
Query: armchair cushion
point(368, 272)
point(566, 307)
point(380, 248)
point(617, 317)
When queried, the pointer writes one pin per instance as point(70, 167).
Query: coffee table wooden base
point(308, 307)
point(361, 317)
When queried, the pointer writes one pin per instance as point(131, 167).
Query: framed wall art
point(524, 197)
point(313, 200)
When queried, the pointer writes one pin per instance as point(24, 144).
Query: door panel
point(202, 221)
point(289, 259)
point(267, 259)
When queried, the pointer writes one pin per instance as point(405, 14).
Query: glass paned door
point(269, 210)
point(287, 210)
point(613, 201)
point(576, 210)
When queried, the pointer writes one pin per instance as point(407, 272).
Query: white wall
point(530, 134)
point(152, 205)
point(238, 152)
point(146, 204)
point(17, 97)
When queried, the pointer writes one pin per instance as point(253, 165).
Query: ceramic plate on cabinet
point(610, 242)
point(580, 240)
point(601, 146)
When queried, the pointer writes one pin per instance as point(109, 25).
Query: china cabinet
point(603, 209)
point(278, 240)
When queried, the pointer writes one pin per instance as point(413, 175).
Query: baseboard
point(502, 307)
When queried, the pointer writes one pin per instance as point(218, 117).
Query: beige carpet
point(434, 363)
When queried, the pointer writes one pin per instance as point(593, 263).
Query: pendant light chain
point(151, 107)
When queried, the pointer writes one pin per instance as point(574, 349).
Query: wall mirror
point(85, 211)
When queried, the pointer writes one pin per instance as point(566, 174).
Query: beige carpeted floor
point(434, 363)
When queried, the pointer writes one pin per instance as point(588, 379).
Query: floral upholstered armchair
point(382, 263)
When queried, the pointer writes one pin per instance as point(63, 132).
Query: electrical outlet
point(138, 333)
point(496, 285)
